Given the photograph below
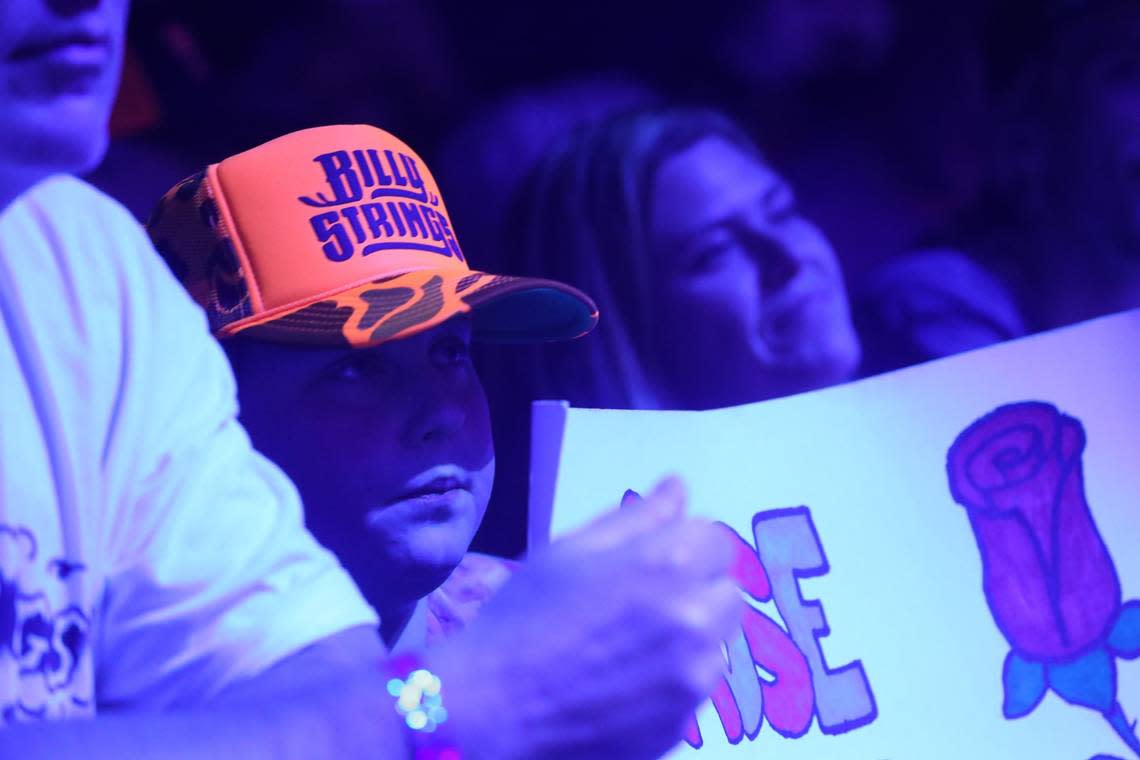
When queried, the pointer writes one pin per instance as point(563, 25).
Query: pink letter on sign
point(789, 549)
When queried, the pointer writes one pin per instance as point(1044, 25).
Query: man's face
point(390, 447)
point(754, 304)
point(59, 70)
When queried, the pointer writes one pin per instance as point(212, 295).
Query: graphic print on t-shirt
point(43, 637)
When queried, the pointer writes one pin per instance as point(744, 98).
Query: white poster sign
point(941, 562)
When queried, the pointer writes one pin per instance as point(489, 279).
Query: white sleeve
point(211, 576)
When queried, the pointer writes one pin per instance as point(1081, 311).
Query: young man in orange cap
point(327, 266)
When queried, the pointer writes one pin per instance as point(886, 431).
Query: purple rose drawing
point(1048, 577)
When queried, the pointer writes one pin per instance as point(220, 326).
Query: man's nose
point(439, 413)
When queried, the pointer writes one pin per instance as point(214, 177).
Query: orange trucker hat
point(339, 236)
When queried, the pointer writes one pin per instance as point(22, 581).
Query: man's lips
point(78, 47)
point(434, 487)
point(438, 499)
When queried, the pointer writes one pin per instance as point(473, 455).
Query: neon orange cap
point(339, 235)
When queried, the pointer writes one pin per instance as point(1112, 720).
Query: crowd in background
point(764, 197)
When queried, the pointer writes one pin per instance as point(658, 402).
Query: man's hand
point(601, 645)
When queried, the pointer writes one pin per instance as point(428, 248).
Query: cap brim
point(504, 309)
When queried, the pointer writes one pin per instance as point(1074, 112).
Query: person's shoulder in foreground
point(145, 551)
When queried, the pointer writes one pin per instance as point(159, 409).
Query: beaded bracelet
point(419, 701)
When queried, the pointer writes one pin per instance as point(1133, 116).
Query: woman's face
point(753, 304)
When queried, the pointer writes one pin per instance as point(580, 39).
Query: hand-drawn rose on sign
point(1048, 577)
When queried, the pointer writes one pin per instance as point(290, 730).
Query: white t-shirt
point(148, 556)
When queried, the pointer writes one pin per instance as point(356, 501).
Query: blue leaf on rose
point(1024, 684)
point(1089, 680)
point(1124, 639)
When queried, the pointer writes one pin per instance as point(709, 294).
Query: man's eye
point(359, 368)
point(452, 351)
